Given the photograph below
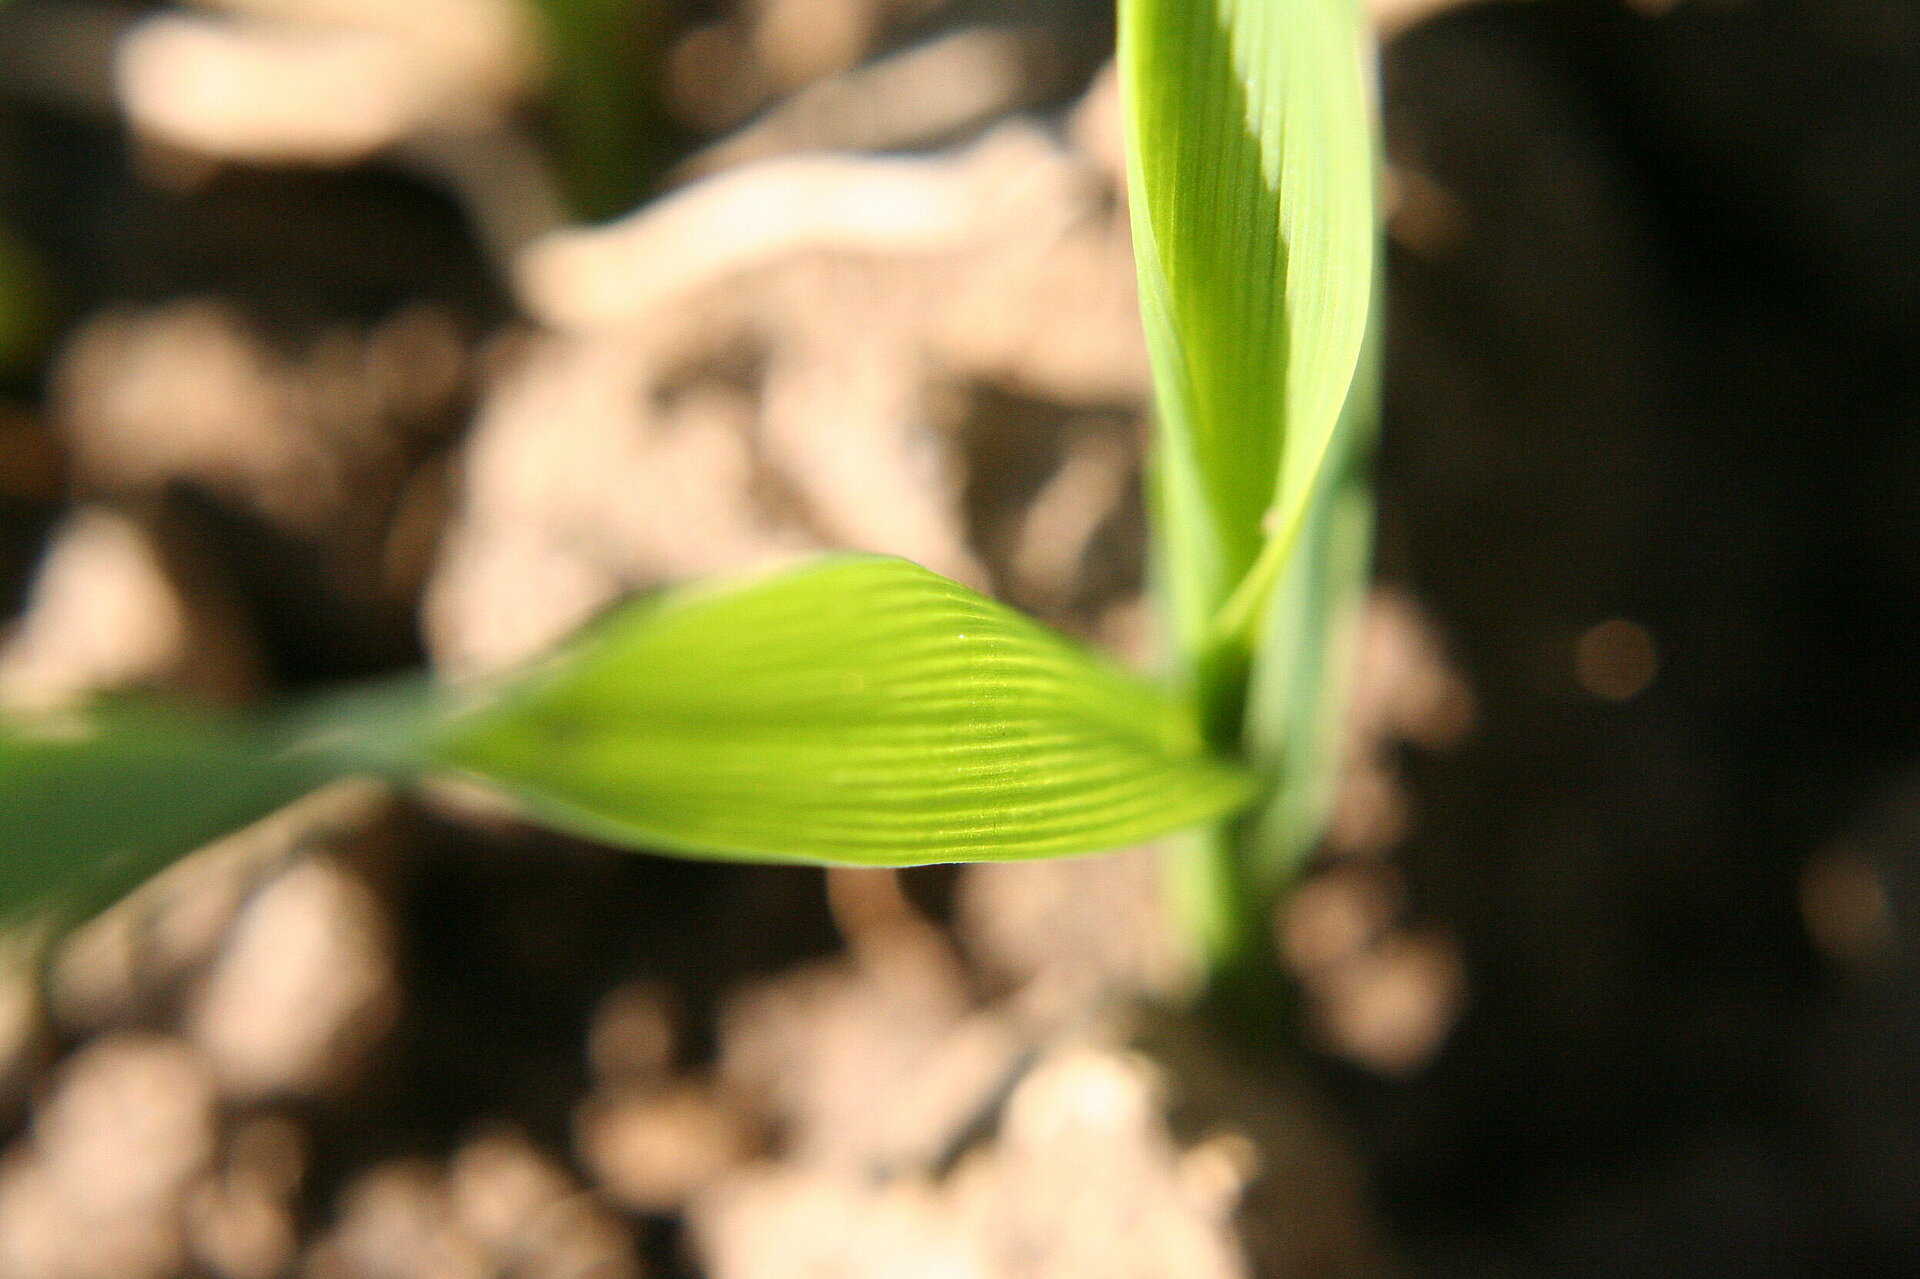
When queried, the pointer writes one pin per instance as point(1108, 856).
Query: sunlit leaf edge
point(1173, 782)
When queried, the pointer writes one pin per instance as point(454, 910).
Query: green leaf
point(1297, 696)
point(90, 806)
point(857, 710)
point(1252, 171)
point(1223, 881)
point(1251, 168)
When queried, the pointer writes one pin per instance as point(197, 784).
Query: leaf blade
point(90, 808)
point(1301, 675)
point(859, 710)
point(1251, 167)
point(1251, 174)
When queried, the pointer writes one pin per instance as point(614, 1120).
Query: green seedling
point(857, 710)
point(1251, 164)
point(862, 710)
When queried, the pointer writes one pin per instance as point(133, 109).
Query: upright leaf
point(1297, 694)
point(857, 710)
point(1251, 166)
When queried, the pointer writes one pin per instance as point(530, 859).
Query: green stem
point(1222, 915)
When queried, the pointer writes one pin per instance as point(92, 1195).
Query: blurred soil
point(1605, 967)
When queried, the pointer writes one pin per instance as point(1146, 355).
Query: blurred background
point(342, 336)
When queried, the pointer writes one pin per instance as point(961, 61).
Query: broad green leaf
point(857, 710)
point(1251, 167)
point(90, 806)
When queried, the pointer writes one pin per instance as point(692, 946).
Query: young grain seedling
point(862, 710)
